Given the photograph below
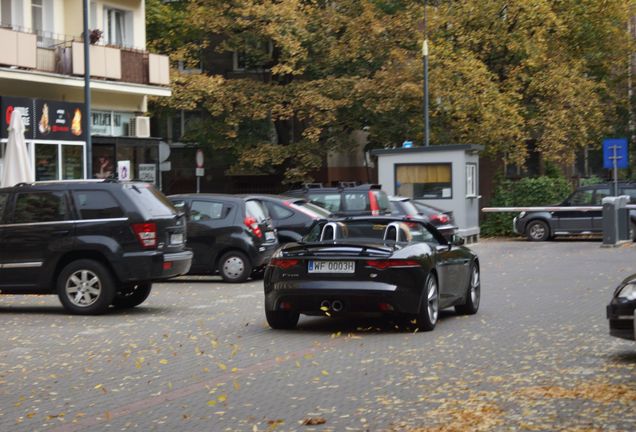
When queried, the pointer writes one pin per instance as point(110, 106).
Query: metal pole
point(87, 95)
point(425, 59)
point(615, 161)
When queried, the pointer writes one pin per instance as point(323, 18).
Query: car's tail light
point(283, 263)
point(252, 225)
point(146, 234)
point(392, 263)
point(441, 218)
point(373, 202)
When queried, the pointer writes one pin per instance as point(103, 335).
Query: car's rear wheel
point(86, 287)
point(427, 317)
point(235, 267)
point(537, 230)
point(473, 293)
point(133, 295)
point(632, 227)
point(282, 320)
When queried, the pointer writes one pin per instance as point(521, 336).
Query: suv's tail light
point(440, 218)
point(373, 203)
point(252, 225)
point(392, 263)
point(146, 234)
point(283, 263)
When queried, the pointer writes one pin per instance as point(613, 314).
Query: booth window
point(429, 181)
point(471, 180)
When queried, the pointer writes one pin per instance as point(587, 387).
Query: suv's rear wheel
point(86, 287)
point(133, 295)
point(537, 230)
point(235, 267)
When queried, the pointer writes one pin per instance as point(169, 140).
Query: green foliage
point(526, 192)
point(591, 181)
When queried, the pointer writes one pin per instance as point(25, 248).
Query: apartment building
point(42, 73)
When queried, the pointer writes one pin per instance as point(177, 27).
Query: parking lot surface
point(198, 355)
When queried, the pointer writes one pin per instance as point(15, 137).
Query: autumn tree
point(504, 73)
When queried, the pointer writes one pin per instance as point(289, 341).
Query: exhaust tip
point(337, 306)
point(325, 305)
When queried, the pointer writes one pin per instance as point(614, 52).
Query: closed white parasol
point(17, 166)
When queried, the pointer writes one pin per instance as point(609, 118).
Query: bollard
point(615, 221)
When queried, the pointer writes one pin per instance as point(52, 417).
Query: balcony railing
point(65, 56)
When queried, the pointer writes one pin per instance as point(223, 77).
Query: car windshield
point(149, 199)
point(370, 231)
point(409, 209)
point(311, 209)
point(256, 210)
point(383, 200)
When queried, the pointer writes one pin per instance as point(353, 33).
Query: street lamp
point(87, 94)
point(425, 61)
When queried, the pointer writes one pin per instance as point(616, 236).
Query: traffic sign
point(200, 172)
point(199, 159)
point(615, 150)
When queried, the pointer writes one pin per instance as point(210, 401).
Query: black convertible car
point(371, 265)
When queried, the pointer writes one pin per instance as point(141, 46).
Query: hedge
point(521, 193)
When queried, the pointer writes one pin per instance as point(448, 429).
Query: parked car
point(93, 243)
point(371, 265)
point(620, 311)
point(361, 200)
point(229, 234)
point(544, 225)
point(406, 207)
point(292, 217)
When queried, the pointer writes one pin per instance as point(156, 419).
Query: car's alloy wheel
point(85, 287)
point(537, 231)
point(473, 293)
point(429, 309)
point(234, 267)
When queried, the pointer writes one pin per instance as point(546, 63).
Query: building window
point(471, 180)
point(46, 162)
point(118, 27)
point(428, 181)
point(253, 58)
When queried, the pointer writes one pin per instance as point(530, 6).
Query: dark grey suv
point(93, 243)
point(544, 225)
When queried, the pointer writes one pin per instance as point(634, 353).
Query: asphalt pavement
point(199, 356)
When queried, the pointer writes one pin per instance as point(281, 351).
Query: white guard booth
point(444, 176)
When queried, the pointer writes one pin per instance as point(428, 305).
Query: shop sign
point(147, 172)
point(8, 105)
point(59, 121)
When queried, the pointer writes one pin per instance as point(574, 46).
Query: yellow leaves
point(236, 385)
point(139, 361)
point(222, 366)
point(324, 373)
point(163, 361)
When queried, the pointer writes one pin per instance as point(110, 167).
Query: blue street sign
point(407, 144)
point(615, 149)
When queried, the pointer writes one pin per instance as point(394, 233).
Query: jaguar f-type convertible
point(373, 266)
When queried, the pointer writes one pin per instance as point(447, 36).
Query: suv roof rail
point(347, 184)
point(312, 185)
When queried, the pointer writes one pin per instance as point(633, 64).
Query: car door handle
point(60, 232)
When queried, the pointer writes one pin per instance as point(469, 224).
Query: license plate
point(176, 238)
point(270, 236)
point(331, 266)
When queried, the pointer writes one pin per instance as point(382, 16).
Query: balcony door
point(12, 14)
point(42, 21)
point(118, 29)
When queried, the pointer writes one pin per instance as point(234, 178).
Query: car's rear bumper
point(621, 320)
point(154, 265)
point(261, 254)
point(310, 297)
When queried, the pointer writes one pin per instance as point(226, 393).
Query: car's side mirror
point(457, 240)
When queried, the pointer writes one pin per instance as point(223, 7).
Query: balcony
point(65, 56)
